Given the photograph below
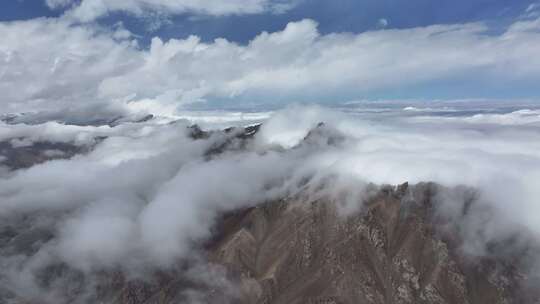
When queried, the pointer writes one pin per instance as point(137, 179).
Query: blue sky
point(90, 52)
point(332, 16)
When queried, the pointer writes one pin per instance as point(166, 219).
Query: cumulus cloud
point(51, 64)
point(299, 60)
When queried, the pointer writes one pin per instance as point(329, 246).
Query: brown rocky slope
point(390, 252)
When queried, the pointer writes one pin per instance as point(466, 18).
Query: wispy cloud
point(90, 10)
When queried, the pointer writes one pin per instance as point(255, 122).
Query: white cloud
point(287, 128)
point(56, 4)
point(49, 64)
point(382, 23)
point(533, 10)
point(52, 64)
point(524, 117)
point(89, 10)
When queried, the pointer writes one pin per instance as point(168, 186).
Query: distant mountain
point(74, 118)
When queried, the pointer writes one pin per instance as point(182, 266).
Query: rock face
point(15, 157)
point(305, 252)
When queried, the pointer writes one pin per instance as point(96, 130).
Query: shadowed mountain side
point(19, 157)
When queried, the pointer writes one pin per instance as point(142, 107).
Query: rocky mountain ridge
point(396, 248)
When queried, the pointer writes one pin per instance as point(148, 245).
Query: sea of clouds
point(148, 193)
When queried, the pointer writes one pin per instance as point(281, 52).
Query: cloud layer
point(51, 64)
point(149, 192)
